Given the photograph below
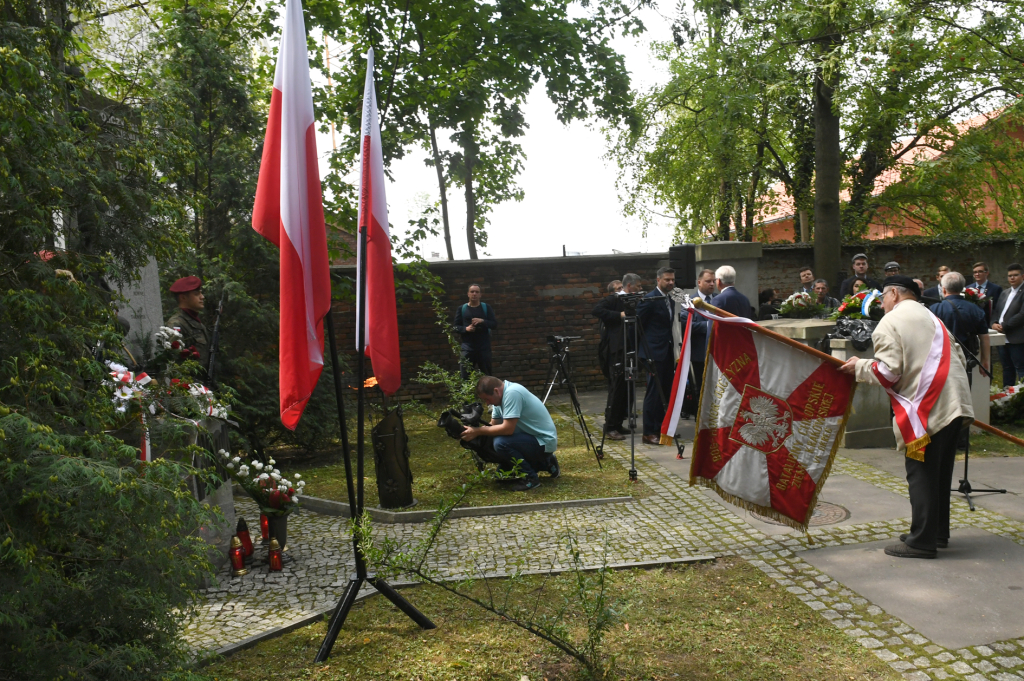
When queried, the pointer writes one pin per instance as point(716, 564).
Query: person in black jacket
point(860, 268)
point(1008, 318)
point(965, 320)
point(729, 297)
point(474, 321)
point(611, 311)
point(656, 315)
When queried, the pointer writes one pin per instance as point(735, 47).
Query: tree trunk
point(805, 229)
point(827, 180)
point(725, 198)
point(443, 189)
point(755, 181)
point(469, 159)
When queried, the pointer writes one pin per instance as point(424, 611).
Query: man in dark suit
point(701, 328)
point(611, 311)
point(1008, 318)
point(729, 298)
point(991, 289)
point(656, 316)
point(860, 268)
point(934, 292)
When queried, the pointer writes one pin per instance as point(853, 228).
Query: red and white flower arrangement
point(273, 492)
point(801, 305)
point(977, 297)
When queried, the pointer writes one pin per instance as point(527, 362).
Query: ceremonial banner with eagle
point(770, 420)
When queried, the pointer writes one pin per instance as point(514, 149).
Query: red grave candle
point(275, 556)
point(237, 556)
point(242, 531)
point(264, 527)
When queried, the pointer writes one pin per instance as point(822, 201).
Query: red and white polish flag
point(289, 212)
point(380, 328)
point(770, 421)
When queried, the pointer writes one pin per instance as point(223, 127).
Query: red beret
point(186, 284)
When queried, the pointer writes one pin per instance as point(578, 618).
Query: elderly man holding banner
point(925, 374)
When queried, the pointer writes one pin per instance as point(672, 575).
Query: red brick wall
point(531, 298)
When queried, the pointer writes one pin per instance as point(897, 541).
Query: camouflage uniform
point(193, 332)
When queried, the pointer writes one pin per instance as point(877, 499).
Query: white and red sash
point(912, 413)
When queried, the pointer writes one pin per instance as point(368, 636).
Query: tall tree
point(466, 68)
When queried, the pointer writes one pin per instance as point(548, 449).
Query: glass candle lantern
point(275, 556)
point(264, 528)
point(242, 532)
point(237, 556)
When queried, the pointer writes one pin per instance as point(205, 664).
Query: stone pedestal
point(870, 422)
point(143, 311)
point(807, 331)
point(743, 255)
point(981, 385)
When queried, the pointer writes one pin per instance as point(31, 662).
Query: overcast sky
point(571, 198)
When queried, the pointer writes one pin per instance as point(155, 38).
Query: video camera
point(632, 300)
point(455, 420)
point(559, 342)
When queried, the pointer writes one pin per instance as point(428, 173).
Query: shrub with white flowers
point(273, 492)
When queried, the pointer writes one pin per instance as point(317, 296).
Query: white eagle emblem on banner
point(764, 421)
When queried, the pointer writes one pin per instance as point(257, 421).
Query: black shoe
point(901, 550)
point(525, 485)
point(614, 435)
point(940, 543)
point(553, 468)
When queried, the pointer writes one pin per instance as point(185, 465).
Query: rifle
point(211, 370)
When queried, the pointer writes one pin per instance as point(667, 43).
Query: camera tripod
point(965, 487)
point(633, 330)
point(561, 365)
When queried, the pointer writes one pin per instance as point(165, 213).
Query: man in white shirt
point(1008, 318)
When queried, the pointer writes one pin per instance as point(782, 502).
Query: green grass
point(720, 621)
point(987, 445)
point(441, 466)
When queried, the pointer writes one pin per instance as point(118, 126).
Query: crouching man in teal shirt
point(521, 427)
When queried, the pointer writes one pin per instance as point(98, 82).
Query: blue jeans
point(520, 446)
point(1012, 357)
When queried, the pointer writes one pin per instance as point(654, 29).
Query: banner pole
point(698, 303)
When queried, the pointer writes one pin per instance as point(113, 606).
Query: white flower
point(119, 368)
point(271, 462)
point(263, 476)
point(282, 488)
point(300, 484)
point(152, 408)
point(258, 465)
point(297, 476)
point(243, 470)
point(230, 465)
point(236, 459)
point(223, 453)
point(277, 471)
point(275, 476)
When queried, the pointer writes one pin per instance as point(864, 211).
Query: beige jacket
point(902, 342)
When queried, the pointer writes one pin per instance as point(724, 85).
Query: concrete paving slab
point(866, 503)
point(970, 595)
point(999, 472)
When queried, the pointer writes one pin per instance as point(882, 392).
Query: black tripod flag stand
point(371, 134)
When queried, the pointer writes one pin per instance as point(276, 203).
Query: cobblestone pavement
point(675, 521)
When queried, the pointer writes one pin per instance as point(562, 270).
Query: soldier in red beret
point(189, 292)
